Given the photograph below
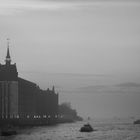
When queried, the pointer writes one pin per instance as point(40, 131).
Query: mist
point(84, 48)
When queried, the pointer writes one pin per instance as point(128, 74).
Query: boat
point(8, 131)
point(86, 128)
point(137, 122)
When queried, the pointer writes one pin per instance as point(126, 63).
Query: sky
point(86, 48)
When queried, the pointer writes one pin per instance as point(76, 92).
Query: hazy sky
point(98, 39)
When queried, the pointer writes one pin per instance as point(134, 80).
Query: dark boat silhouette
point(8, 131)
point(137, 122)
point(86, 128)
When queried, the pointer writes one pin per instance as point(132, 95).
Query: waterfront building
point(23, 99)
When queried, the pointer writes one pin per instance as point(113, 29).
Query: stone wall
point(8, 99)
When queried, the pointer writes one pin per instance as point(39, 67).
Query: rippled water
point(106, 130)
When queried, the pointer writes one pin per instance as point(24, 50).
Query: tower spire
point(53, 89)
point(8, 58)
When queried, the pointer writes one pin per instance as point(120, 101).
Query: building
point(23, 100)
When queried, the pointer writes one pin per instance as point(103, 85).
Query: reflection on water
point(106, 130)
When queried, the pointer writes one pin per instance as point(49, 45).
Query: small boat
point(137, 122)
point(8, 131)
point(86, 128)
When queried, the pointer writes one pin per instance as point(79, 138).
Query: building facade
point(21, 99)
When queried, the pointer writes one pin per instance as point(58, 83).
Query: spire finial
point(8, 58)
point(8, 42)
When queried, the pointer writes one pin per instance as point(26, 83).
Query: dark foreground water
point(106, 130)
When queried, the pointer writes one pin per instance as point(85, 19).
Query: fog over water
point(90, 50)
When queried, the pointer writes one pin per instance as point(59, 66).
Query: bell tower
point(8, 88)
point(8, 58)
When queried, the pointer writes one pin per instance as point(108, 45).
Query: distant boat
point(137, 122)
point(86, 128)
point(8, 131)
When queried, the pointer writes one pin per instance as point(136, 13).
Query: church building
point(21, 99)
